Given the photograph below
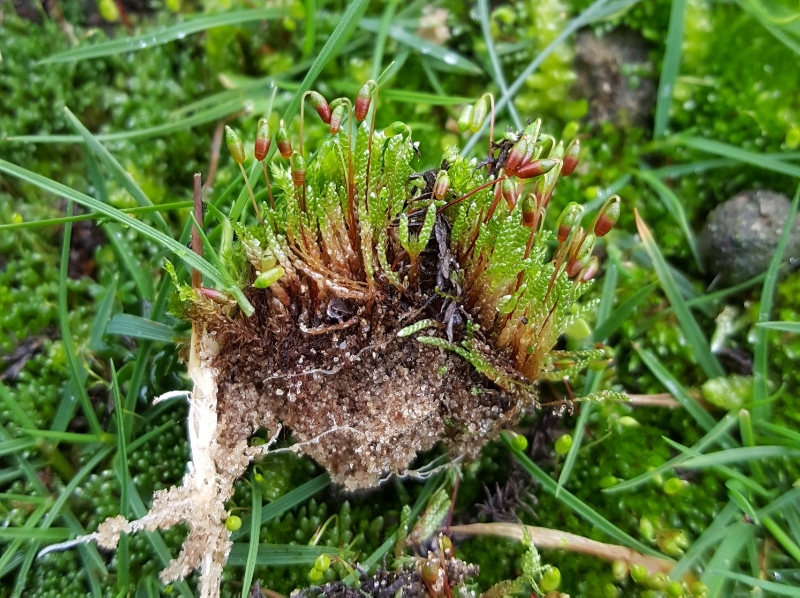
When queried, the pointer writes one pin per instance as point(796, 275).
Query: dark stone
point(741, 235)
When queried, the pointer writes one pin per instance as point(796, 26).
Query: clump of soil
point(361, 400)
point(615, 74)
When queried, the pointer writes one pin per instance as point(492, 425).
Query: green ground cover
point(678, 104)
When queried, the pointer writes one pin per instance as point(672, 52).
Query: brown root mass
point(361, 400)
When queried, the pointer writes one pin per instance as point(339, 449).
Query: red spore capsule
point(608, 217)
point(321, 106)
point(263, 139)
point(536, 168)
point(363, 99)
point(571, 157)
point(282, 139)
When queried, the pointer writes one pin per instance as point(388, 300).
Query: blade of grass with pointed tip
point(255, 531)
point(700, 415)
point(761, 346)
point(497, 67)
point(709, 439)
point(74, 366)
point(694, 335)
point(670, 67)
point(449, 59)
point(675, 208)
point(768, 162)
point(138, 327)
point(579, 507)
point(164, 35)
point(592, 383)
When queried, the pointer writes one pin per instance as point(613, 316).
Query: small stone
point(741, 235)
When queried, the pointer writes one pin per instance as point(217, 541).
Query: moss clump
point(393, 310)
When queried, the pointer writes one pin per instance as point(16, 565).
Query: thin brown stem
point(556, 539)
point(197, 244)
point(252, 196)
point(269, 186)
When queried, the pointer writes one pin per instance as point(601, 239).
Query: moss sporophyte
point(380, 310)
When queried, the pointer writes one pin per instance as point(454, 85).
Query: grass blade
point(783, 326)
point(183, 252)
point(497, 67)
point(710, 537)
point(712, 437)
point(124, 476)
point(380, 39)
point(609, 325)
point(122, 176)
point(102, 317)
point(277, 555)
point(347, 24)
point(777, 589)
point(761, 347)
point(768, 162)
point(675, 207)
point(694, 335)
point(288, 501)
point(700, 415)
point(726, 557)
point(163, 35)
point(670, 67)
point(450, 60)
point(255, 530)
point(138, 327)
point(599, 9)
point(581, 508)
point(592, 385)
point(738, 455)
point(76, 369)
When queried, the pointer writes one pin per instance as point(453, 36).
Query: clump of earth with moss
point(392, 309)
